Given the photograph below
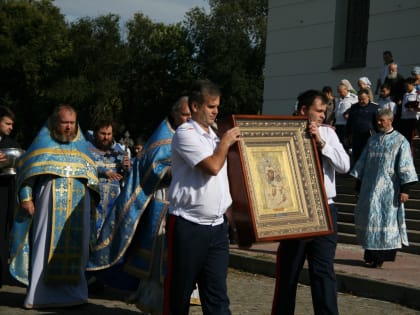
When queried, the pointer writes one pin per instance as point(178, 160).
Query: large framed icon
point(275, 179)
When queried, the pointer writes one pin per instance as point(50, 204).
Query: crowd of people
point(353, 112)
point(156, 224)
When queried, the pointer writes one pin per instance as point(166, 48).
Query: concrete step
point(350, 238)
point(347, 188)
point(410, 213)
point(347, 217)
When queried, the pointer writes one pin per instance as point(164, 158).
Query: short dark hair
point(363, 91)
point(7, 112)
point(201, 88)
point(103, 122)
point(387, 52)
point(386, 85)
point(308, 97)
point(327, 89)
point(410, 80)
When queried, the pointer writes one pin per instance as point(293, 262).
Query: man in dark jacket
point(361, 123)
point(7, 183)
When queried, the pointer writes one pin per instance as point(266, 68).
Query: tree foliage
point(135, 79)
point(230, 49)
point(159, 70)
point(33, 45)
point(92, 75)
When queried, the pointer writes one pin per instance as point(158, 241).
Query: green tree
point(33, 43)
point(229, 47)
point(159, 72)
point(92, 75)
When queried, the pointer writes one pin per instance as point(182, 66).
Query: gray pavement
point(397, 282)
point(249, 294)
point(393, 289)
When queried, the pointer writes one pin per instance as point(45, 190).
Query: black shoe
point(96, 288)
point(373, 264)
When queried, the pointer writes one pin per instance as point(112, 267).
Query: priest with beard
point(113, 164)
point(112, 161)
point(385, 171)
point(57, 191)
point(396, 81)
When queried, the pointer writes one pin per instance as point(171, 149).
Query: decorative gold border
point(282, 177)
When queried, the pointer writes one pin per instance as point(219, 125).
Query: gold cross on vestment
point(67, 170)
point(62, 190)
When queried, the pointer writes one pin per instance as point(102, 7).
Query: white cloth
point(387, 103)
point(334, 159)
point(405, 112)
point(344, 103)
point(197, 197)
point(39, 294)
point(366, 81)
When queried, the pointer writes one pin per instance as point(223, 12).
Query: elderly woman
point(365, 84)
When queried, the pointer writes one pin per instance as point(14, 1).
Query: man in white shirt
point(198, 248)
point(409, 113)
point(385, 100)
point(320, 250)
point(344, 103)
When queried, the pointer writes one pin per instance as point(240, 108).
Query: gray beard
point(62, 138)
point(392, 75)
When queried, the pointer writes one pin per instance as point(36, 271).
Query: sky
point(159, 11)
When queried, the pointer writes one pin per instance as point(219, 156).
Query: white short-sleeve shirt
point(193, 194)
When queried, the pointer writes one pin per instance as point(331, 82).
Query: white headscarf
point(366, 81)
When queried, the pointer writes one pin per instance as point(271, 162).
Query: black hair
point(7, 112)
point(410, 80)
point(327, 89)
point(103, 122)
point(308, 97)
point(363, 91)
point(386, 85)
point(387, 52)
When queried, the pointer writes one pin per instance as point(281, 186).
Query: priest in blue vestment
point(385, 172)
point(132, 240)
point(57, 190)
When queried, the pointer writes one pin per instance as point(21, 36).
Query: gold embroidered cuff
point(25, 193)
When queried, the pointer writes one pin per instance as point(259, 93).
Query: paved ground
point(249, 294)
point(373, 291)
point(398, 281)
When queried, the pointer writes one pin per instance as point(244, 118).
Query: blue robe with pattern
point(385, 165)
point(137, 215)
point(71, 168)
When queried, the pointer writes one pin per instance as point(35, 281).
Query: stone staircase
point(346, 201)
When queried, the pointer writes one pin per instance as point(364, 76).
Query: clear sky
point(164, 11)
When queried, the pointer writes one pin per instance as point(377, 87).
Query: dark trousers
point(320, 252)
point(341, 133)
point(7, 197)
point(197, 254)
point(406, 127)
point(359, 140)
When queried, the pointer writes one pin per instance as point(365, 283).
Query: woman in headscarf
point(350, 87)
point(365, 84)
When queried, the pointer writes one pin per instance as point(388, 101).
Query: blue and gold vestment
point(130, 232)
point(70, 168)
point(108, 160)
